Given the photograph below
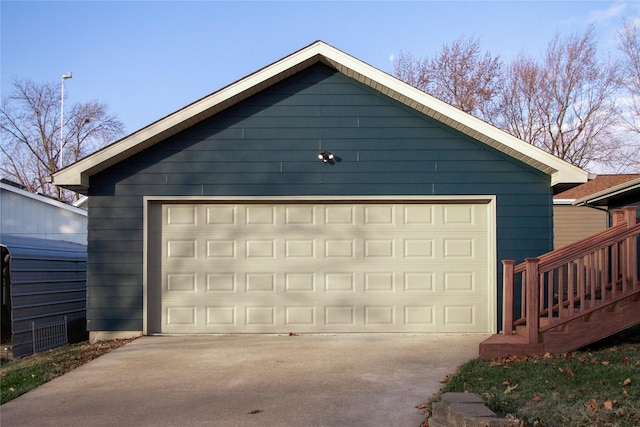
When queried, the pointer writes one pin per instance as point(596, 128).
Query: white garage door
point(328, 267)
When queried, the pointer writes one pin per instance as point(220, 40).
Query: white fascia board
point(563, 202)
point(560, 170)
point(76, 175)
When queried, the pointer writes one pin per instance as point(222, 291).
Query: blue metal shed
point(43, 283)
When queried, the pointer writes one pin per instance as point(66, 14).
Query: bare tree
point(565, 104)
point(460, 75)
point(629, 47)
point(520, 112)
point(407, 68)
point(30, 130)
point(576, 105)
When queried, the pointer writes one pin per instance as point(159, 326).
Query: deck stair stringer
point(572, 297)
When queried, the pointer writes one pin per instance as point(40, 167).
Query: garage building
point(316, 195)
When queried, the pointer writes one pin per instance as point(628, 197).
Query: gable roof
point(20, 191)
point(601, 183)
point(605, 188)
point(76, 176)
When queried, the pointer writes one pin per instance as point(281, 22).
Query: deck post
point(533, 298)
point(618, 217)
point(629, 213)
point(507, 296)
point(631, 274)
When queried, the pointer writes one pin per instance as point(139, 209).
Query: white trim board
point(489, 200)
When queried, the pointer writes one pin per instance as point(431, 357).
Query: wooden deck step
point(571, 336)
point(603, 324)
point(506, 345)
point(575, 295)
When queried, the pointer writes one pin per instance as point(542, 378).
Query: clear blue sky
point(147, 59)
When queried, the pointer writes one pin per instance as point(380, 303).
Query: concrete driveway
point(250, 380)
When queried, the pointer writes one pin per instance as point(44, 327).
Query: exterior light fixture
point(326, 156)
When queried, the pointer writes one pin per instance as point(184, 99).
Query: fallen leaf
point(624, 391)
point(293, 334)
point(506, 382)
point(510, 389)
point(626, 382)
point(12, 389)
point(605, 362)
point(608, 404)
point(255, 411)
point(537, 398)
point(445, 380)
point(421, 406)
point(593, 405)
point(624, 360)
point(568, 371)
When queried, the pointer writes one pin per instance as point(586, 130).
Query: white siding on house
point(30, 215)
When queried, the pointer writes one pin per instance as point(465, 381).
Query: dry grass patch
point(598, 386)
point(22, 375)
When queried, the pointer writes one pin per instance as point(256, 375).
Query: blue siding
point(267, 145)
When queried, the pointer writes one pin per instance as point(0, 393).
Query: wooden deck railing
point(573, 281)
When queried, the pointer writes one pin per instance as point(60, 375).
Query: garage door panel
point(335, 267)
point(220, 215)
point(339, 215)
point(181, 215)
point(224, 282)
point(465, 278)
point(278, 318)
point(260, 215)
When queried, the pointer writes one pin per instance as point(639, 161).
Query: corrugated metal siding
point(268, 145)
point(48, 282)
point(573, 223)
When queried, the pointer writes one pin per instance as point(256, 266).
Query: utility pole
point(64, 77)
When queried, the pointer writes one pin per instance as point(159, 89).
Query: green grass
point(599, 386)
point(19, 376)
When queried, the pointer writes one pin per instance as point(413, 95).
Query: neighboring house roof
point(76, 176)
point(626, 189)
point(18, 189)
point(600, 189)
point(23, 213)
